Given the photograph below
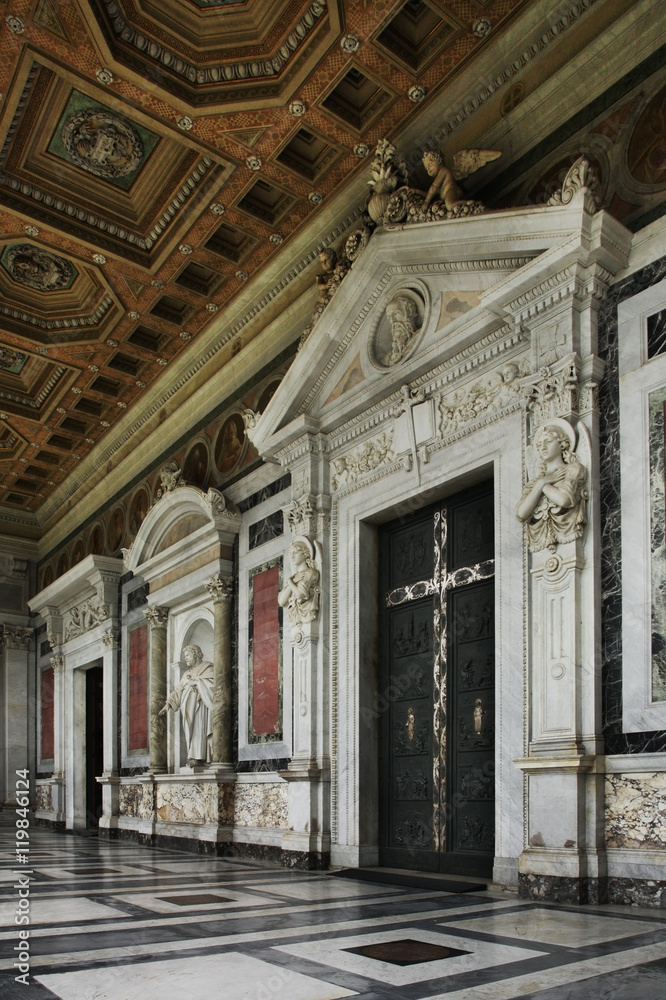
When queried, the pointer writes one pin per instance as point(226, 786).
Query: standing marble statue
point(300, 596)
point(194, 697)
point(552, 506)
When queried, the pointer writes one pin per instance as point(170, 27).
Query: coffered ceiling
point(159, 156)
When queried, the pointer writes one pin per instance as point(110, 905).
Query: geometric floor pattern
point(110, 920)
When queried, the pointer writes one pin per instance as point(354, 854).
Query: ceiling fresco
point(156, 156)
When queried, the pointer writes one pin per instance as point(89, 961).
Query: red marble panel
point(47, 714)
point(266, 653)
point(138, 689)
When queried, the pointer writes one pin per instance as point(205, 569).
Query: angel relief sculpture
point(300, 596)
point(395, 200)
point(552, 506)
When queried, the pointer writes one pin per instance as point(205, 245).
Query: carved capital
point(15, 637)
point(221, 589)
point(589, 397)
point(551, 392)
point(301, 516)
point(58, 663)
point(157, 617)
point(110, 638)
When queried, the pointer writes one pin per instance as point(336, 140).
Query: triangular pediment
point(419, 298)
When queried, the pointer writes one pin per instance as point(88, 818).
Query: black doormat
point(413, 881)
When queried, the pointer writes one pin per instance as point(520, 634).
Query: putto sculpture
point(393, 199)
point(552, 506)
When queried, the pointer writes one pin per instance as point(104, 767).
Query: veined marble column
point(157, 617)
point(221, 591)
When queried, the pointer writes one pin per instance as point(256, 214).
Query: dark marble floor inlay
point(195, 898)
point(92, 871)
point(406, 952)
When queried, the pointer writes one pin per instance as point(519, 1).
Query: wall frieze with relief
point(85, 618)
point(365, 458)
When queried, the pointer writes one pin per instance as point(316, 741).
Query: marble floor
point(110, 920)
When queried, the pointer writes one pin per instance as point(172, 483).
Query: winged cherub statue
point(394, 200)
point(444, 186)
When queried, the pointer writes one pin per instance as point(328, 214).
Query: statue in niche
point(402, 314)
point(552, 506)
point(194, 697)
point(301, 595)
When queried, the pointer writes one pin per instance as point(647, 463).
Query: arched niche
point(186, 536)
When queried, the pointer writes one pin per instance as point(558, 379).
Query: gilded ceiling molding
point(223, 72)
point(58, 324)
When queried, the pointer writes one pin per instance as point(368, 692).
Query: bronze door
point(437, 688)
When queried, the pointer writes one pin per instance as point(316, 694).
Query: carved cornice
point(158, 617)
point(221, 589)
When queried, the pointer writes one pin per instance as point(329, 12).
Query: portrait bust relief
point(398, 327)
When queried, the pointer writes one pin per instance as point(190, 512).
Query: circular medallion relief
point(102, 142)
point(399, 327)
point(37, 268)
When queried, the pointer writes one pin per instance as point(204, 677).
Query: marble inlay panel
point(611, 491)
point(43, 798)
point(478, 955)
point(636, 811)
point(262, 804)
point(243, 978)
point(195, 802)
point(571, 930)
point(658, 552)
point(136, 801)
